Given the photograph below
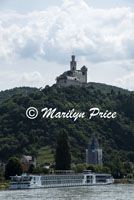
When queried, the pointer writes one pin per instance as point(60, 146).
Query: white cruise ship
point(87, 178)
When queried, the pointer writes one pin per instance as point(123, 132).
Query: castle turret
point(84, 73)
point(73, 64)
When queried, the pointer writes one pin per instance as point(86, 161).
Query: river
point(107, 192)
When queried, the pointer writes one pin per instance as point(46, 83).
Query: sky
point(37, 39)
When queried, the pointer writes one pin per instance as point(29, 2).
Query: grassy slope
point(45, 155)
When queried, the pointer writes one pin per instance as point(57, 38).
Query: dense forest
point(8, 93)
point(20, 135)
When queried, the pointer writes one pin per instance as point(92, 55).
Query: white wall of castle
point(80, 76)
point(66, 83)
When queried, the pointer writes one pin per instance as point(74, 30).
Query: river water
point(108, 192)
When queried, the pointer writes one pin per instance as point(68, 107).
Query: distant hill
point(104, 88)
point(4, 95)
point(107, 88)
point(20, 135)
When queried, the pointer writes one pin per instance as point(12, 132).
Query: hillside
point(6, 94)
point(20, 135)
point(104, 88)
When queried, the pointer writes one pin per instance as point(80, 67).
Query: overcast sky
point(37, 38)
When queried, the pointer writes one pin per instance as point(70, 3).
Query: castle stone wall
point(67, 83)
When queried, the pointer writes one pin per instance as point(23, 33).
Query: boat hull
point(56, 181)
point(16, 187)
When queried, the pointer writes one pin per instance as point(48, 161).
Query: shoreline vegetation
point(123, 181)
point(4, 185)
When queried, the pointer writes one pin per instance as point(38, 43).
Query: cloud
point(14, 78)
point(31, 77)
point(126, 81)
point(98, 34)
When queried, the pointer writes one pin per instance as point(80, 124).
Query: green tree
point(13, 167)
point(63, 155)
point(1, 174)
point(106, 170)
point(31, 169)
point(91, 167)
point(117, 168)
point(98, 168)
point(80, 168)
point(127, 167)
point(45, 170)
point(40, 170)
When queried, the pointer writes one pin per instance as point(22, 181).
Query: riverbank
point(4, 185)
point(123, 181)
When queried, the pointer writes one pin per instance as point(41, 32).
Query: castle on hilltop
point(73, 76)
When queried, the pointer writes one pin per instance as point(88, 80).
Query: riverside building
point(94, 153)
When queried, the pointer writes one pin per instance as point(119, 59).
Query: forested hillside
point(8, 93)
point(104, 88)
point(20, 135)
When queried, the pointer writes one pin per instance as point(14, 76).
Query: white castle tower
point(73, 76)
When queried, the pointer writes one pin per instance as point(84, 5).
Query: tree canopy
point(63, 155)
point(13, 167)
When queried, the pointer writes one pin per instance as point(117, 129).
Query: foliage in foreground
point(63, 155)
point(13, 168)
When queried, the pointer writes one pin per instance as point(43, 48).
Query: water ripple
point(109, 192)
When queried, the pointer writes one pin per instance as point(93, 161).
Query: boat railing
point(60, 172)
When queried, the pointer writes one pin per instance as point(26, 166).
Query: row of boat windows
point(101, 181)
point(21, 179)
point(25, 178)
point(24, 183)
point(61, 177)
point(103, 177)
point(97, 178)
point(61, 182)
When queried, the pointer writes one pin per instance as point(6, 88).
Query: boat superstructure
point(59, 180)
